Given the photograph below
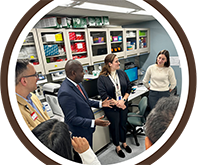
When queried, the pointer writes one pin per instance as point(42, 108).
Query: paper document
point(174, 61)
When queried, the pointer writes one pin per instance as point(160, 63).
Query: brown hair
point(166, 53)
point(106, 68)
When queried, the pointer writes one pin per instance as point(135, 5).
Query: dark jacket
point(106, 87)
point(77, 109)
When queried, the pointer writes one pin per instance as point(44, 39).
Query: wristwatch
point(124, 100)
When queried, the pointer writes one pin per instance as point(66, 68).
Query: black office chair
point(174, 92)
point(137, 119)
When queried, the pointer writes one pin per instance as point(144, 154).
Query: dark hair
point(55, 135)
point(166, 53)
point(106, 68)
point(71, 65)
point(160, 117)
point(21, 66)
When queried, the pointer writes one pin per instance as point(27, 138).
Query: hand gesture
point(120, 104)
point(114, 101)
point(108, 103)
point(80, 144)
point(101, 122)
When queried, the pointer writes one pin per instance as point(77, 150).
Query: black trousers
point(117, 118)
point(154, 96)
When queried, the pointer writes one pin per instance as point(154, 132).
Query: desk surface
point(138, 92)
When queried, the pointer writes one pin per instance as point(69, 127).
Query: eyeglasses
point(36, 75)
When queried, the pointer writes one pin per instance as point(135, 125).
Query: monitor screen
point(90, 87)
point(132, 74)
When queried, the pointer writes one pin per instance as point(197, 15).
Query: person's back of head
point(55, 135)
point(160, 118)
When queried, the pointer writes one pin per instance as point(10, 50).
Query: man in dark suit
point(76, 105)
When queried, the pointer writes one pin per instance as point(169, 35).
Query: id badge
point(43, 108)
point(34, 116)
point(119, 97)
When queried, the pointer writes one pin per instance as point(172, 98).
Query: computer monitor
point(90, 87)
point(132, 74)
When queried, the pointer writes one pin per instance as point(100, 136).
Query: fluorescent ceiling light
point(68, 3)
point(141, 12)
point(93, 6)
point(100, 7)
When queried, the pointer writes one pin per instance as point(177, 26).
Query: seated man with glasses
point(30, 106)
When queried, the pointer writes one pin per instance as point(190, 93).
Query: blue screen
point(132, 74)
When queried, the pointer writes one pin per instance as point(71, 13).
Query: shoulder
point(170, 69)
point(65, 84)
point(64, 87)
point(66, 81)
point(19, 98)
point(20, 101)
point(102, 77)
point(120, 71)
point(153, 66)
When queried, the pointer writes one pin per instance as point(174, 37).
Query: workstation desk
point(101, 136)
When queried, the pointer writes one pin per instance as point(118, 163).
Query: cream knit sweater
point(161, 78)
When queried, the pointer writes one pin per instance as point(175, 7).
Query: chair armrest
point(134, 115)
point(133, 105)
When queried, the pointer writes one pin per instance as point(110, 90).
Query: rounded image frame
point(169, 23)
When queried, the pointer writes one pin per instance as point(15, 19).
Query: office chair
point(137, 119)
point(174, 92)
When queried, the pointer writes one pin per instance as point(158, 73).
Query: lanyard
point(115, 81)
point(33, 115)
point(117, 87)
point(26, 106)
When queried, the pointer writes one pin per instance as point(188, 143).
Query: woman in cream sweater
point(162, 78)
